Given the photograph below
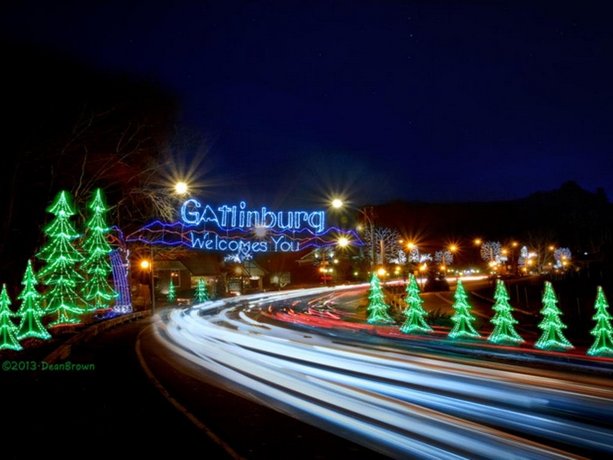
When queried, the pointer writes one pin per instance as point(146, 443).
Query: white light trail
point(397, 402)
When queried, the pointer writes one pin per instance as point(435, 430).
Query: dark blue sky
point(427, 100)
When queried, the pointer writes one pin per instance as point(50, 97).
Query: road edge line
point(177, 405)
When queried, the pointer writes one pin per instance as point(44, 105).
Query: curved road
point(405, 397)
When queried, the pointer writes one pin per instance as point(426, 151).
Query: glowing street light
point(343, 242)
point(181, 188)
point(145, 264)
point(337, 203)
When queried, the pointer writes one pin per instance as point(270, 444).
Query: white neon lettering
point(316, 220)
point(209, 215)
point(214, 242)
point(253, 219)
point(276, 242)
point(222, 244)
point(190, 217)
point(224, 215)
point(233, 217)
point(289, 220)
point(241, 219)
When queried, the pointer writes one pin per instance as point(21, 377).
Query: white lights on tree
point(562, 256)
point(443, 257)
point(491, 251)
point(237, 257)
point(523, 257)
point(400, 259)
point(384, 242)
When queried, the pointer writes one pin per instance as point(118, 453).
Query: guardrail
point(63, 351)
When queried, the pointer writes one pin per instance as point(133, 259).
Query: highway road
point(306, 354)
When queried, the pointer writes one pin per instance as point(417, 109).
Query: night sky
point(431, 100)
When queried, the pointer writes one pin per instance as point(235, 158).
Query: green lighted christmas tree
point(415, 322)
point(603, 345)
point(504, 331)
point(8, 339)
point(202, 294)
point(462, 318)
point(552, 337)
point(172, 293)
point(377, 308)
point(96, 289)
point(30, 311)
point(60, 272)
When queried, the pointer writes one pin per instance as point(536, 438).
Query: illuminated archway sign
point(233, 217)
point(242, 231)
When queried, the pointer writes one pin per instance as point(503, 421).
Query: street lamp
point(146, 264)
point(343, 242)
point(368, 213)
point(181, 188)
point(337, 203)
point(451, 250)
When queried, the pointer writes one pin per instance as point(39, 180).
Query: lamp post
point(368, 214)
point(514, 258)
point(453, 249)
point(147, 264)
point(152, 282)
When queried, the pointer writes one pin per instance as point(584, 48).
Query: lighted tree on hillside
point(202, 294)
point(172, 293)
point(504, 331)
point(60, 273)
point(8, 339)
point(552, 336)
point(30, 311)
point(603, 345)
point(462, 318)
point(415, 314)
point(378, 310)
point(96, 289)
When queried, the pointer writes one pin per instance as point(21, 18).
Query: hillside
point(568, 216)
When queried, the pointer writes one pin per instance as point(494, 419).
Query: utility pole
point(152, 280)
point(369, 215)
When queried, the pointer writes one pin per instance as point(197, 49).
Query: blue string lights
point(123, 303)
point(240, 241)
